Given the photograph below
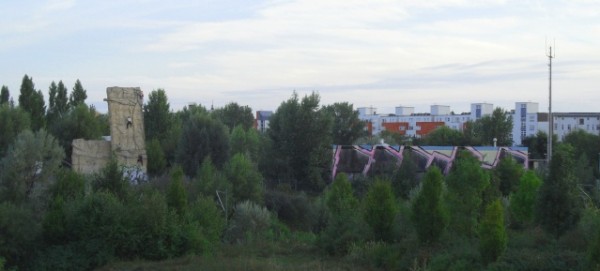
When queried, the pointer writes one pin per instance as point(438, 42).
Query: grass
point(264, 255)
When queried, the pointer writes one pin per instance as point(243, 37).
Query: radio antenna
point(550, 54)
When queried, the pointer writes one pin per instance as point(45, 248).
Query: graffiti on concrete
point(362, 159)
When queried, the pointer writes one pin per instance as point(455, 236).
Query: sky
point(257, 53)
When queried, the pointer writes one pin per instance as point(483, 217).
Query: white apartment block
point(527, 120)
point(565, 123)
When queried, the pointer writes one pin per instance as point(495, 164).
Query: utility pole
point(550, 56)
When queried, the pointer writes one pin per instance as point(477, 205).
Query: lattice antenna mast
point(550, 54)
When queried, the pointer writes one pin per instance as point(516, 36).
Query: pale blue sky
point(379, 53)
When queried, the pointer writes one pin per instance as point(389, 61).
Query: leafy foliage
point(380, 210)
point(4, 95)
point(78, 95)
point(18, 233)
point(157, 163)
point(497, 125)
point(111, 180)
point(428, 211)
point(233, 115)
point(405, 177)
point(176, 194)
point(508, 173)
point(158, 119)
point(557, 206)
point(492, 233)
point(466, 183)
point(301, 143)
point(346, 127)
point(249, 221)
point(13, 120)
point(522, 202)
point(29, 164)
point(202, 136)
point(444, 136)
point(246, 181)
point(32, 102)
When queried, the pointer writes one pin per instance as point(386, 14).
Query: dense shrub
point(19, 231)
point(250, 221)
point(294, 209)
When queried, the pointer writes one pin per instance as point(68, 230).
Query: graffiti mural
point(362, 159)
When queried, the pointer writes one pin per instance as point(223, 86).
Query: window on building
point(531, 127)
point(581, 121)
point(569, 127)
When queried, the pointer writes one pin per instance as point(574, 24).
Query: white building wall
point(525, 122)
point(564, 123)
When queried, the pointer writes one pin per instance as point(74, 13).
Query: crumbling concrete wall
point(90, 156)
point(127, 126)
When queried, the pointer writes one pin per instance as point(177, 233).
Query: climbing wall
point(127, 126)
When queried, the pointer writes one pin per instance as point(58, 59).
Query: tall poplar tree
point(4, 95)
point(158, 118)
point(78, 95)
point(32, 101)
point(428, 213)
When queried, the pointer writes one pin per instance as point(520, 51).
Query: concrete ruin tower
point(127, 126)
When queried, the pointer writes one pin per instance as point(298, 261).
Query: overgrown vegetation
point(223, 197)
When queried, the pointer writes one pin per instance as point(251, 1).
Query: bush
point(294, 209)
point(19, 231)
point(208, 223)
point(249, 222)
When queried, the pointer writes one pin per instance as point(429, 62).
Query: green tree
point(522, 202)
point(380, 210)
point(176, 194)
point(346, 126)
point(245, 142)
point(78, 95)
point(233, 115)
point(428, 213)
point(210, 223)
point(209, 180)
point(19, 231)
point(471, 133)
point(444, 136)
point(13, 120)
point(300, 136)
point(558, 206)
point(111, 180)
point(246, 181)
point(57, 102)
point(343, 225)
point(32, 101)
point(466, 183)
point(508, 173)
point(4, 95)
point(158, 118)
point(82, 121)
point(202, 136)
point(157, 162)
point(340, 197)
point(405, 177)
point(29, 164)
point(587, 144)
point(492, 234)
point(497, 125)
